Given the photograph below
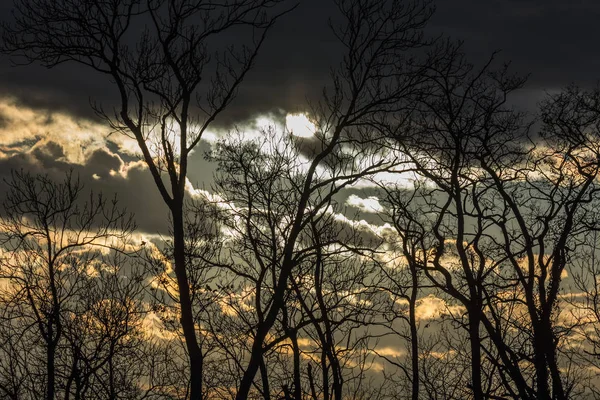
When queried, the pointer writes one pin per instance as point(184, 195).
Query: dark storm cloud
point(102, 173)
point(554, 41)
point(293, 65)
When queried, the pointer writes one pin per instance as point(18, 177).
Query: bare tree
point(267, 290)
point(328, 298)
point(371, 85)
point(111, 352)
point(62, 292)
point(502, 213)
point(444, 216)
point(404, 279)
point(171, 81)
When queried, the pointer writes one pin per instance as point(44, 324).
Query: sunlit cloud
point(253, 129)
point(234, 304)
point(299, 125)
point(400, 179)
point(23, 128)
point(385, 230)
point(389, 352)
point(431, 307)
point(153, 326)
point(369, 205)
point(438, 355)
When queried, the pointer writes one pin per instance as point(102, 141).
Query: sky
point(47, 124)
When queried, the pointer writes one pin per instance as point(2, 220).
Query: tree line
point(478, 281)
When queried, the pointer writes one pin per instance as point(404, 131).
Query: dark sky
point(554, 41)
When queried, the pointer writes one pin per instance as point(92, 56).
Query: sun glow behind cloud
point(299, 125)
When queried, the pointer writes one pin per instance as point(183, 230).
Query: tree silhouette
point(498, 216)
point(71, 315)
point(170, 81)
point(475, 278)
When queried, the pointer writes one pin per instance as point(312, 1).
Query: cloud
point(431, 307)
point(546, 39)
point(64, 137)
point(368, 205)
point(101, 171)
point(371, 233)
point(299, 125)
point(389, 351)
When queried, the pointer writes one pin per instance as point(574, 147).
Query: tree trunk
point(414, 341)
point(475, 342)
point(50, 370)
point(261, 333)
point(336, 373)
point(253, 364)
point(297, 378)
point(311, 382)
point(264, 374)
point(187, 316)
point(325, 374)
point(541, 369)
point(558, 392)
